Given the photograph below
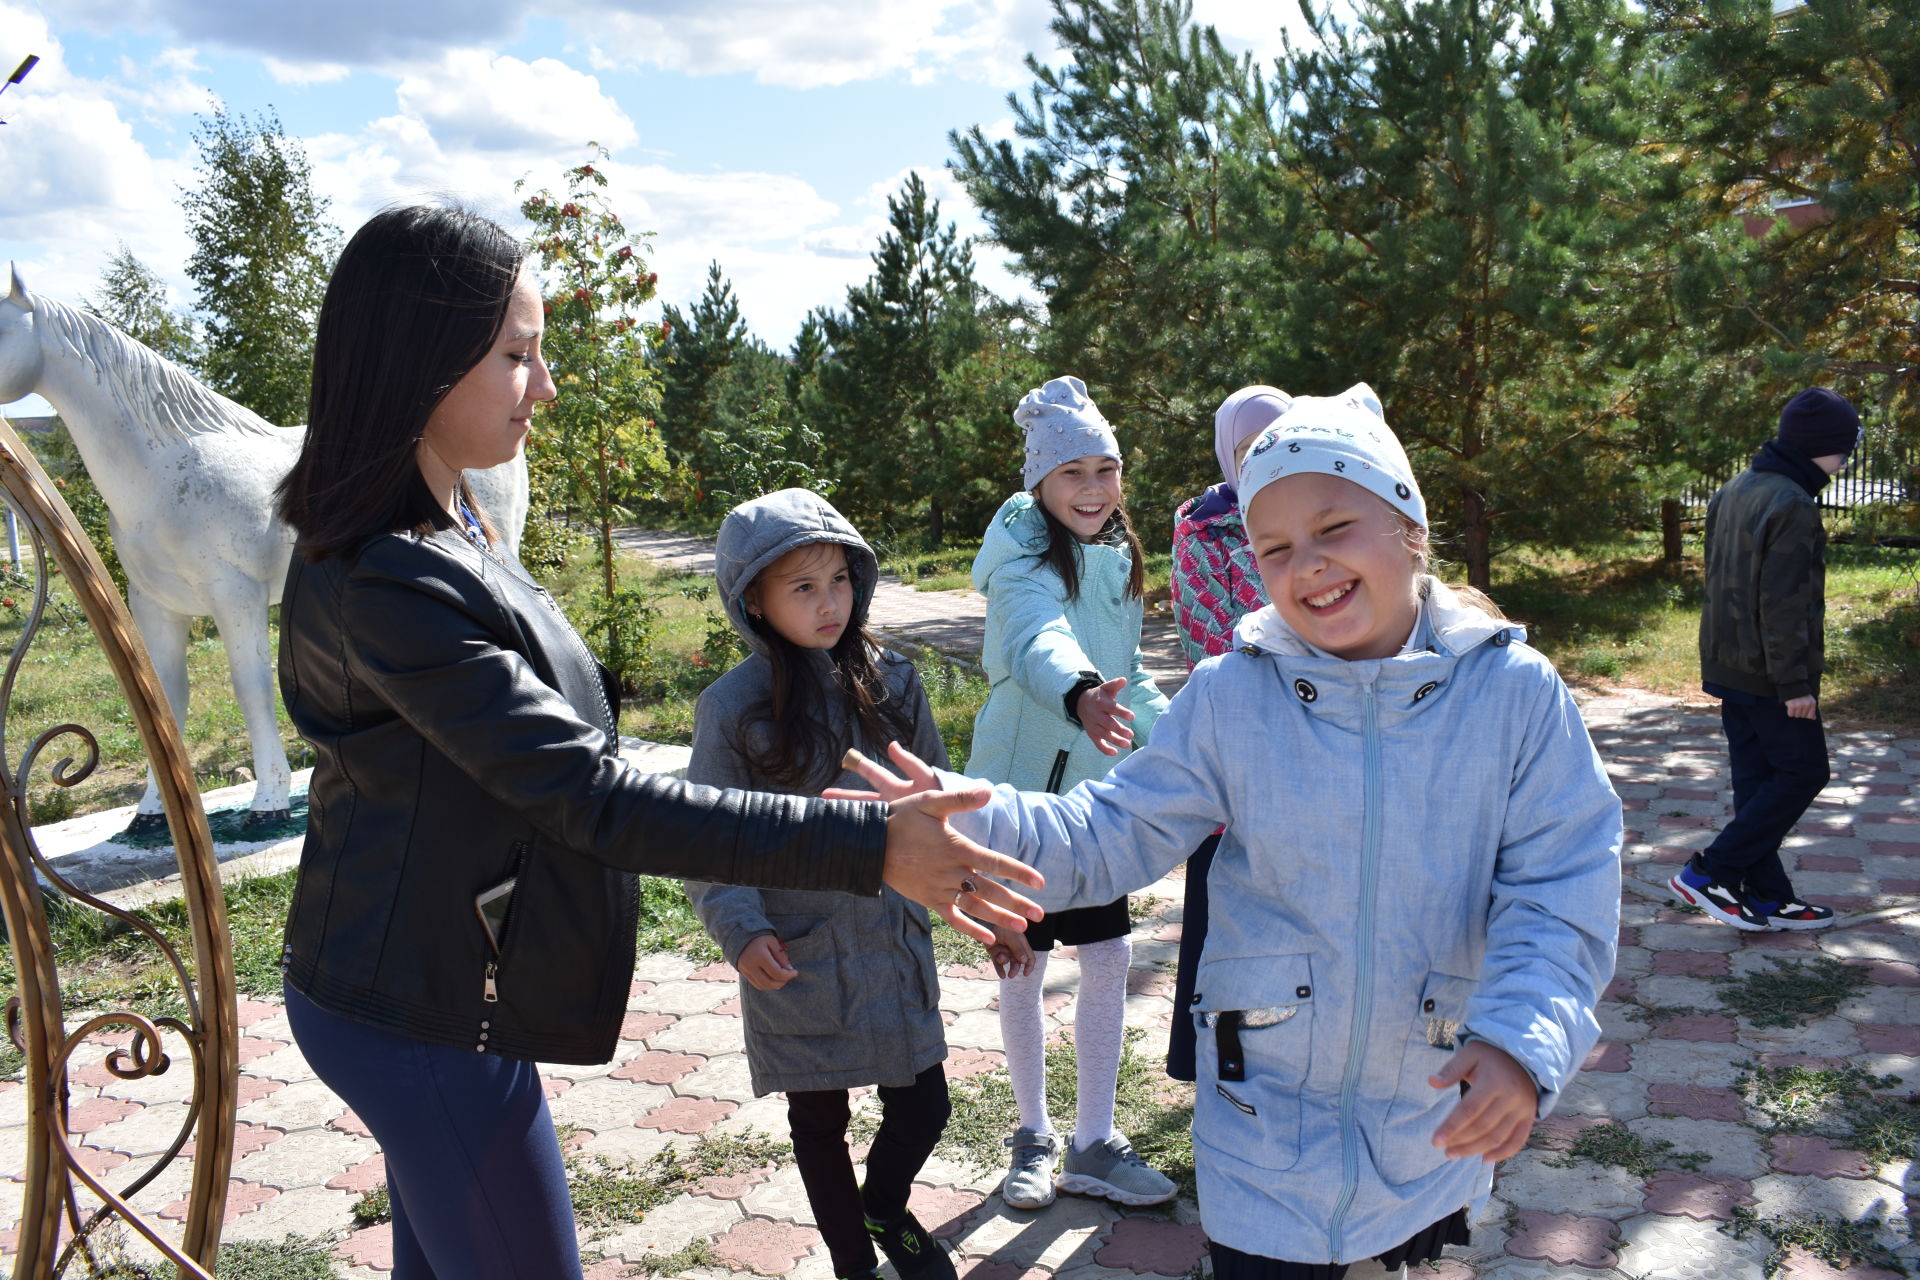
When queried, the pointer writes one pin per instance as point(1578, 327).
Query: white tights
point(1099, 1025)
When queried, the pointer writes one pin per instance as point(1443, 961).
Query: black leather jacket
point(464, 735)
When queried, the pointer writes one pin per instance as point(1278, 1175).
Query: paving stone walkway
point(303, 1158)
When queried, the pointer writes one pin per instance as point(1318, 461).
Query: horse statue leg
point(240, 611)
point(165, 634)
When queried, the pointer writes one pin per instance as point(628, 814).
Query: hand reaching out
point(1011, 953)
point(1104, 719)
point(955, 885)
point(1496, 1115)
point(763, 962)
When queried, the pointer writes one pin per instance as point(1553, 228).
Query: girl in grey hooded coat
point(839, 991)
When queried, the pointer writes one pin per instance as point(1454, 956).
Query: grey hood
point(757, 533)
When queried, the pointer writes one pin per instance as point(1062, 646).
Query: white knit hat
point(1062, 423)
point(1345, 436)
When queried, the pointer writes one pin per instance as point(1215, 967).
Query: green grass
point(1616, 1145)
point(1844, 1103)
point(609, 1194)
point(1620, 614)
point(1790, 994)
point(1840, 1242)
point(290, 1258)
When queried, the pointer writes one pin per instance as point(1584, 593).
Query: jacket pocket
point(1253, 1017)
point(916, 934)
point(1405, 1151)
point(813, 1003)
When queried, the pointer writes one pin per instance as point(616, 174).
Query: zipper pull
point(493, 991)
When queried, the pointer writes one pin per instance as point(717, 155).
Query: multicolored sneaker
point(1111, 1169)
point(1727, 905)
point(1793, 914)
point(915, 1255)
point(1029, 1183)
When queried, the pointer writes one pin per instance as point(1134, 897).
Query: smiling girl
point(1061, 569)
point(1414, 904)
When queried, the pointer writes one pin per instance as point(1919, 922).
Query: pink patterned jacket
point(1215, 582)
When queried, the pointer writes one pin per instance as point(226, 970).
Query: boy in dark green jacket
point(1761, 654)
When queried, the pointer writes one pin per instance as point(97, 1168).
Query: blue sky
point(764, 134)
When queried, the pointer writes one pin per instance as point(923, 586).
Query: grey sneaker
point(1112, 1170)
point(1029, 1183)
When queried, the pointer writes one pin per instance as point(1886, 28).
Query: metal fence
point(1881, 471)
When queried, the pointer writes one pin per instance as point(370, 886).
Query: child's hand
point(763, 962)
point(1104, 719)
point(1495, 1117)
point(1011, 953)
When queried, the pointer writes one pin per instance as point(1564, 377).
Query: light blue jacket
point(1418, 849)
point(1039, 645)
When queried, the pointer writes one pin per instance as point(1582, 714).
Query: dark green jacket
point(1760, 631)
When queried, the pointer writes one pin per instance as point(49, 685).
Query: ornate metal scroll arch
point(54, 1227)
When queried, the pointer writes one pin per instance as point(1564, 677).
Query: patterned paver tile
point(1684, 1249)
point(1695, 1101)
point(686, 1115)
point(1696, 1196)
point(1153, 1245)
point(1565, 1239)
point(1821, 1157)
point(766, 1247)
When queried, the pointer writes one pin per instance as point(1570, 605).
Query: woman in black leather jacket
point(466, 902)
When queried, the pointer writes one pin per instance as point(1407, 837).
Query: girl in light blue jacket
point(1061, 569)
point(1416, 899)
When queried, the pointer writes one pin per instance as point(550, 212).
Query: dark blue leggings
point(473, 1167)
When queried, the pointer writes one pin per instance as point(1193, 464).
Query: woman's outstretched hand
point(931, 863)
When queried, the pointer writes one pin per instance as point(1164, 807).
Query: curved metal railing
point(66, 1206)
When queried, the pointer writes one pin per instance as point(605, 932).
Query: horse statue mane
point(179, 404)
point(189, 479)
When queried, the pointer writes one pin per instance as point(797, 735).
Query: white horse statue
point(188, 478)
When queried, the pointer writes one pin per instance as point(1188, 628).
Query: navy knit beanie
point(1818, 423)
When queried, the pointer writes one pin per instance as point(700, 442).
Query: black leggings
point(911, 1122)
point(1424, 1246)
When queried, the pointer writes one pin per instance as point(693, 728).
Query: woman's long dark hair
point(1062, 553)
point(416, 300)
point(803, 740)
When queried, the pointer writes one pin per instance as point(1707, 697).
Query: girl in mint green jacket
point(1061, 569)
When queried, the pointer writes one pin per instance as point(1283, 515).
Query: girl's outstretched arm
point(1107, 837)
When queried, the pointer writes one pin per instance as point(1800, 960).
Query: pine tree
point(1808, 121)
point(134, 300)
point(1129, 203)
point(878, 399)
point(262, 252)
point(1458, 164)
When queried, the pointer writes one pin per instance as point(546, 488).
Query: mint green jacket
point(1039, 645)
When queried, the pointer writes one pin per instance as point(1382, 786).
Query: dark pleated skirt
point(1423, 1246)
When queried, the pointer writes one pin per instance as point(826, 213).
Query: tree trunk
point(1670, 548)
point(936, 524)
point(1477, 533)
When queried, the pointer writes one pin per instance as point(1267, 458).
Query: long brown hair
point(1062, 553)
point(802, 745)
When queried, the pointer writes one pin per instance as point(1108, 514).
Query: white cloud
point(78, 182)
point(805, 44)
point(304, 73)
point(473, 100)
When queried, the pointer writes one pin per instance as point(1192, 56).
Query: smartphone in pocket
point(491, 906)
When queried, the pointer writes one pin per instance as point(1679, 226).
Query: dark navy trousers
point(1181, 1044)
point(473, 1166)
point(1779, 766)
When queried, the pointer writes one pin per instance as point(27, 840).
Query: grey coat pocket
point(813, 1002)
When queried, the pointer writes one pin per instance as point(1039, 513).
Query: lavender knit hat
point(1345, 436)
point(1062, 423)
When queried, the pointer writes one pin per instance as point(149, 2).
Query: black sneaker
point(1793, 914)
point(1727, 905)
point(913, 1253)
